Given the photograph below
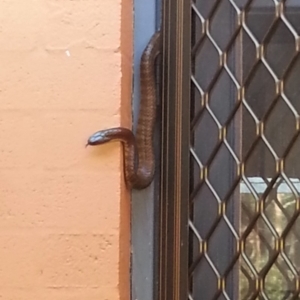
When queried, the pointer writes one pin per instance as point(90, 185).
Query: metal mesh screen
point(245, 148)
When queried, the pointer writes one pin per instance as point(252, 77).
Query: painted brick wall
point(65, 72)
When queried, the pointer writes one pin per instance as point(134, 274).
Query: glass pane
point(245, 145)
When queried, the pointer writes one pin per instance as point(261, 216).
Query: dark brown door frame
point(172, 254)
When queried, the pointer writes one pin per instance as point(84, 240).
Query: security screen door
point(231, 150)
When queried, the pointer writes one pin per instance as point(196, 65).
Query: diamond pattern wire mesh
point(245, 204)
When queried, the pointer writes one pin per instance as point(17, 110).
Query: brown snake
point(139, 162)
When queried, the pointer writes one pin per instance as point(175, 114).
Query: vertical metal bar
point(143, 203)
point(174, 208)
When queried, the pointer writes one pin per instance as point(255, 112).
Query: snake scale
point(139, 161)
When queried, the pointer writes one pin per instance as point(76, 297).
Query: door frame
point(173, 246)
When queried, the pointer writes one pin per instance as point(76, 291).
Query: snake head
point(98, 138)
point(112, 134)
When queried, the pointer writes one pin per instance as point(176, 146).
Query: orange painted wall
point(65, 72)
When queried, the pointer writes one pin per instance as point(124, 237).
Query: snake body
point(139, 161)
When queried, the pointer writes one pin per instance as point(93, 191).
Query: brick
point(65, 214)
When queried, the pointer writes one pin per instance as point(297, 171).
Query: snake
point(138, 149)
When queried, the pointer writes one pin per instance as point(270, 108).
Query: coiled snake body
point(139, 162)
